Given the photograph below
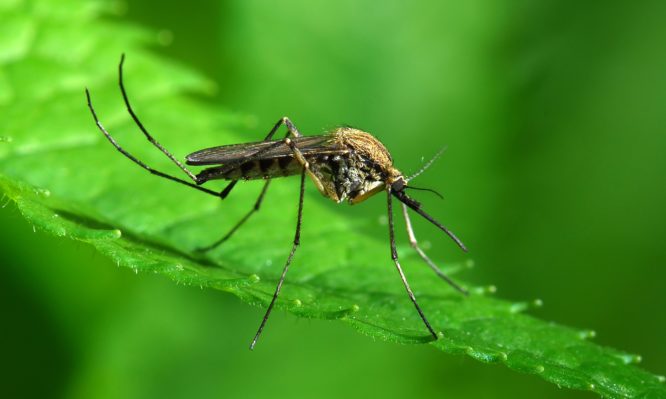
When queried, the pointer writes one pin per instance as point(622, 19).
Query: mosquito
point(345, 164)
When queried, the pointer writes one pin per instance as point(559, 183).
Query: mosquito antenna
point(427, 165)
point(426, 189)
point(416, 206)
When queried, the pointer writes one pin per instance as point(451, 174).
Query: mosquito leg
point(150, 138)
point(254, 209)
point(297, 242)
point(394, 256)
point(290, 127)
point(225, 192)
point(194, 185)
point(426, 259)
point(138, 162)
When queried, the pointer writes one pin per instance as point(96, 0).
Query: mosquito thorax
point(364, 169)
point(366, 145)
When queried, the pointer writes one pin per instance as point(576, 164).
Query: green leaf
point(67, 180)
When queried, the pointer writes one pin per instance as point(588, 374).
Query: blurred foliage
point(551, 118)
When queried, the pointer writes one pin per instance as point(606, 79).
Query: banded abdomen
point(254, 169)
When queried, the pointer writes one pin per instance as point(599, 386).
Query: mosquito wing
point(245, 152)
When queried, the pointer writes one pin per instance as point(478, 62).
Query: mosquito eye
point(398, 185)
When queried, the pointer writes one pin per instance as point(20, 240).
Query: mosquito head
point(398, 188)
point(399, 184)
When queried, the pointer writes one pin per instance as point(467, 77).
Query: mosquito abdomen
point(251, 170)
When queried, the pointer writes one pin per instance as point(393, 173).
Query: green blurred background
point(553, 115)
